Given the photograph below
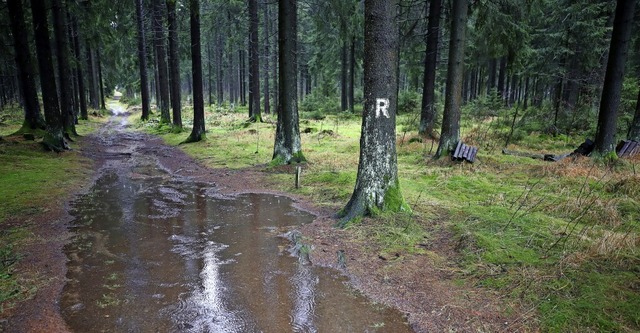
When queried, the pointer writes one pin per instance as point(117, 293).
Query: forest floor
point(489, 247)
point(425, 292)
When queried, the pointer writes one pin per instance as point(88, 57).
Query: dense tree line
point(570, 60)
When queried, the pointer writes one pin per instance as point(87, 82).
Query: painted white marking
point(382, 106)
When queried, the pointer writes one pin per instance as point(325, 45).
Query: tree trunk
point(287, 147)
point(608, 116)
point(100, 81)
point(156, 77)
point(254, 64)
point(209, 80)
point(219, 81)
point(451, 117)
point(502, 73)
point(142, 59)
point(54, 139)
point(94, 97)
point(32, 116)
point(198, 131)
point(73, 73)
point(82, 94)
point(428, 111)
point(267, 56)
point(377, 188)
point(161, 61)
point(344, 77)
point(352, 76)
point(276, 62)
point(491, 81)
point(64, 69)
point(241, 78)
point(634, 131)
point(174, 63)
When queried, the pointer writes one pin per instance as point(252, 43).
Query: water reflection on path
point(159, 254)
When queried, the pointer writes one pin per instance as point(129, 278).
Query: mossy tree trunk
point(161, 60)
point(428, 111)
point(198, 131)
point(450, 133)
point(54, 139)
point(377, 187)
point(287, 147)
point(32, 117)
point(142, 62)
point(612, 88)
point(254, 64)
point(64, 68)
point(174, 63)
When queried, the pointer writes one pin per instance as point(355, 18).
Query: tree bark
point(174, 63)
point(198, 131)
point(32, 117)
point(161, 61)
point(209, 80)
point(344, 77)
point(82, 94)
point(352, 76)
point(451, 117)
point(100, 81)
point(219, 81)
point(634, 131)
point(491, 81)
point(142, 60)
point(242, 83)
point(94, 94)
point(611, 90)
point(428, 111)
point(64, 69)
point(377, 187)
point(54, 139)
point(267, 56)
point(502, 73)
point(287, 147)
point(254, 63)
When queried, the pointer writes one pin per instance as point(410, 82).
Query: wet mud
point(154, 251)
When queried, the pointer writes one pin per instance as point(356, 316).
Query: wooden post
point(298, 173)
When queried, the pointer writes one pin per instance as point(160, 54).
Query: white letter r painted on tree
point(382, 106)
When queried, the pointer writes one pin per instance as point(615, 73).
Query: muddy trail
point(162, 248)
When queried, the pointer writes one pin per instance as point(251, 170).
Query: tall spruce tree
point(287, 147)
point(377, 186)
point(142, 61)
point(610, 100)
point(54, 139)
point(174, 63)
point(198, 131)
point(24, 63)
point(450, 133)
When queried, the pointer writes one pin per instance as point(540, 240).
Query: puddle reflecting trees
point(154, 253)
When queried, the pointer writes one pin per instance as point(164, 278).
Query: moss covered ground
point(560, 241)
point(32, 182)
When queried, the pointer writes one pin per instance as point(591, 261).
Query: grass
point(33, 181)
point(561, 239)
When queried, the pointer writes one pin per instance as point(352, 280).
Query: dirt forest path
point(416, 285)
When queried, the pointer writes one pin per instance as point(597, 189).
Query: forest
point(481, 154)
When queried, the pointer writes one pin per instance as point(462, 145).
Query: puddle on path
point(156, 254)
